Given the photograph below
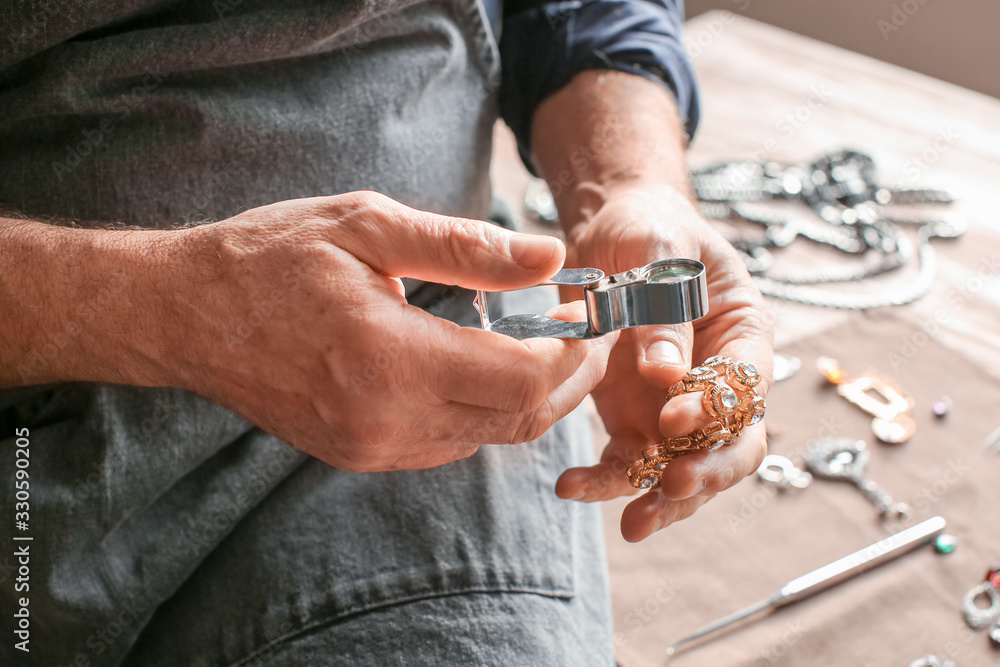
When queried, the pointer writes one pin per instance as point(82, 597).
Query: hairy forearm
point(77, 304)
point(605, 131)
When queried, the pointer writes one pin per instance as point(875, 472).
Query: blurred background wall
point(953, 40)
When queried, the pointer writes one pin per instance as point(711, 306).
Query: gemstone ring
point(728, 395)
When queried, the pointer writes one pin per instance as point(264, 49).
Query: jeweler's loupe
point(668, 291)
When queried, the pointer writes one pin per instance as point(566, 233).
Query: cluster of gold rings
point(729, 397)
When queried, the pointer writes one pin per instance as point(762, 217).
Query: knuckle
point(532, 393)
point(533, 425)
point(723, 479)
point(367, 199)
point(364, 211)
point(466, 239)
point(523, 388)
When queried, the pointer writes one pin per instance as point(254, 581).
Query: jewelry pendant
point(978, 617)
point(878, 396)
point(981, 617)
point(781, 472)
point(845, 459)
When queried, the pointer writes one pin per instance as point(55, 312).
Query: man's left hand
point(633, 227)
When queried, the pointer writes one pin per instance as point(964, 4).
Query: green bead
point(945, 543)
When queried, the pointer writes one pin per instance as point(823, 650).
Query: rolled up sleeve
point(543, 45)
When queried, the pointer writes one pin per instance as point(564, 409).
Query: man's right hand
point(292, 315)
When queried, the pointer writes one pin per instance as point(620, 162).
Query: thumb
point(403, 242)
point(663, 353)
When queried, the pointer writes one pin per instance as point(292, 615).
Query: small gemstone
point(831, 370)
point(717, 360)
point(723, 440)
point(993, 574)
point(942, 406)
point(758, 414)
point(648, 481)
point(844, 458)
point(945, 543)
point(700, 370)
point(749, 370)
point(728, 399)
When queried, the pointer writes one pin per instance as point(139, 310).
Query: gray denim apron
point(169, 531)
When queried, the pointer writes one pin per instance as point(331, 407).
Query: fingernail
point(531, 252)
point(696, 488)
point(663, 353)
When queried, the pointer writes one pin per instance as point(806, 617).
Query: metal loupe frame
point(668, 291)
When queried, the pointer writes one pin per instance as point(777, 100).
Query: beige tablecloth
point(749, 541)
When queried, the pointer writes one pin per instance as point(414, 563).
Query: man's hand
point(631, 230)
point(611, 147)
point(293, 316)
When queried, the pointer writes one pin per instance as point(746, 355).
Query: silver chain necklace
point(852, 214)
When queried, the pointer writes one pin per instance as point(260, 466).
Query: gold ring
point(729, 395)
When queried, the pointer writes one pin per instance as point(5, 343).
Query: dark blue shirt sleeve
point(545, 44)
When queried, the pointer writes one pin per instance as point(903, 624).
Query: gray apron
point(169, 531)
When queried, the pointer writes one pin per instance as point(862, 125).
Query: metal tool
point(669, 291)
point(845, 459)
point(836, 572)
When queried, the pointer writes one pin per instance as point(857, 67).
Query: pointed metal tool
point(836, 572)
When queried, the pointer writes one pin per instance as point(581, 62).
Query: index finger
point(486, 369)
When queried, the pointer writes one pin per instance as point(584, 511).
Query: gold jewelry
point(729, 395)
point(877, 395)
